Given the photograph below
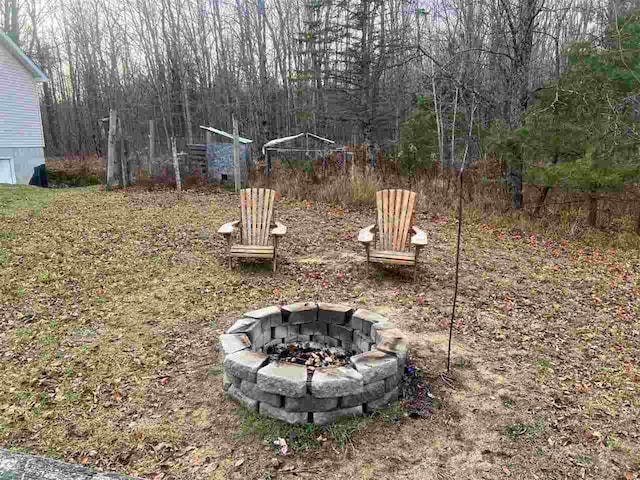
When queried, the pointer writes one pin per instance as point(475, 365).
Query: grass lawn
point(111, 304)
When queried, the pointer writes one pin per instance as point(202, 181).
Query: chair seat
point(390, 256)
point(252, 251)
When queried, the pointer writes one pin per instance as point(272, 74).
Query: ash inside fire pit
point(311, 354)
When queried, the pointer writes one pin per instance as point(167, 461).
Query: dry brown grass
point(484, 193)
point(81, 165)
point(112, 303)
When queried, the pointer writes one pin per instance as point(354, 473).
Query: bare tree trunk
point(438, 118)
point(15, 26)
point(453, 128)
point(123, 160)
point(152, 144)
point(592, 219)
point(186, 107)
point(7, 15)
point(176, 165)
point(111, 153)
point(236, 154)
point(521, 24)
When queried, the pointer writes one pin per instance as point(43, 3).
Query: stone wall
point(14, 466)
point(289, 391)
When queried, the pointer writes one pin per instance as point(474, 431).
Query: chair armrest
point(367, 234)
point(420, 237)
point(228, 228)
point(279, 230)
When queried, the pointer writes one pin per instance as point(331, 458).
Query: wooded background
point(350, 70)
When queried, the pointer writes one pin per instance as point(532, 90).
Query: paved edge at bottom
point(16, 466)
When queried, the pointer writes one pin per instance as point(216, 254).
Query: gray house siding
point(21, 136)
point(24, 161)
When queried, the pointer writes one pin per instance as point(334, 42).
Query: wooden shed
point(220, 157)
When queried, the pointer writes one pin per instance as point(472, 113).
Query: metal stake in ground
point(455, 290)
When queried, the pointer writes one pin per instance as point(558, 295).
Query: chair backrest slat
point(248, 225)
point(254, 206)
point(243, 216)
point(256, 211)
point(259, 216)
point(396, 220)
point(379, 205)
point(384, 230)
point(408, 207)
point(268, 208)
point(395, 213)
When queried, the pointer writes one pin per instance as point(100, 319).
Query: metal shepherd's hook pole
point(455, 290)
point(459, 241)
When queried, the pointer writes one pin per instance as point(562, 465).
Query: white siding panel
point(20, 121)
point(24, 161)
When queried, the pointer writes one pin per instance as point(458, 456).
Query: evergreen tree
point(418, 139)
point(582, 132)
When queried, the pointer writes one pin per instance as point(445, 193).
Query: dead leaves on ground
point(109, 297)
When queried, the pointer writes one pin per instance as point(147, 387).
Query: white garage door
point(6, 171)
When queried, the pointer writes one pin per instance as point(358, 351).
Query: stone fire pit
point(298, 393)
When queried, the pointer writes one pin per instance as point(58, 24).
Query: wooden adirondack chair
point(256, 225)
point(396, 211)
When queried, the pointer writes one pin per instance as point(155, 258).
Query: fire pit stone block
point(375, 366)
point(293, 330)
point(321, 328)
point(251, 390)
point(234, 342)
point(308, 328)
point(391, 396)
point(332, 342)
point(283, 378)
point(368, 319)
point(372, 391)
point(341, 332)
point(322, 418)
point(242, 325)
point(361, 341)
point(282, 414)
point(378, 328)
point(392, 382)
point(273, 343)
point(228, 380)
point(392, 341)
point(334, 313)
point(271, 315)
point(332, 382)
point(245, 364)
point(309, 403)
point(281, 331)
point(300, 313)
point(256, 335)
point(246, 401)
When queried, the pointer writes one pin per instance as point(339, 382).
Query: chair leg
point(229, 251)
point(275, 253)
point(415, 268)
point(366, 268)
